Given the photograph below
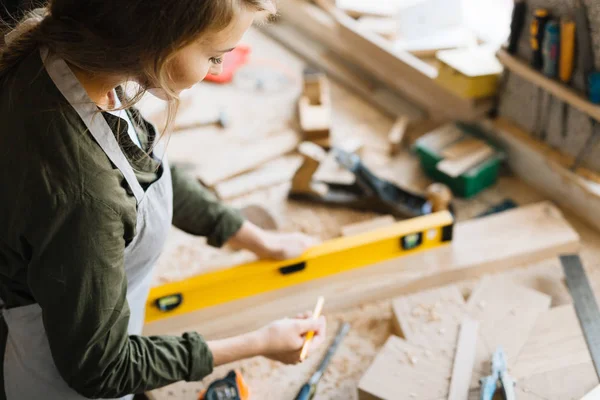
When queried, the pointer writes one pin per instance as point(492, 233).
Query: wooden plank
point(463, 148)
point(423, 375)
point(441, 137)
point(481, 246)
point(456, 167)
point(464, 360)
point(247, 157)
point(568, 383)
point(546, 170)
point(554, 87)
point(507, 314)
point(352, 77)
point(556, 342)
point(367, 226)
point(430, 319)
point(401, 71)
point(270, 174)
point(593, 395)
point(387, 28)
point(397, 133)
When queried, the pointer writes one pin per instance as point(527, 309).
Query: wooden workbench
point(256, 113)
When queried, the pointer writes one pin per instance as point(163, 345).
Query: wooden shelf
point(554, 87)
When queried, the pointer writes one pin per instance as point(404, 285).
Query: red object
point(232, 61)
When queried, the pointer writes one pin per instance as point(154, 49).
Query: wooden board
point(367, 226)
point(456, 167)
point(430, 319)
point(441, 137)
point(481, 246)
point(423, 375)
point(562, 384)
point(463, 148)
point(556, 342)
point(464, 360)
point(249, 156)
point(554, 87)
point(397, 134)
point(507, 314)
point(270, 174)
point(547, 170)
point(401, 71)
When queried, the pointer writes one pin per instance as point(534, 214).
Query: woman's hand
point(284, 338)
point(271, 245)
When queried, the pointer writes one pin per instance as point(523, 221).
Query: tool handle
point(488, 388)
point(567, 50)
point(550, 49)
point(538, 27)
point(306, 393)
point(516, 26)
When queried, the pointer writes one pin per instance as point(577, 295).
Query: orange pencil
point(309, 335)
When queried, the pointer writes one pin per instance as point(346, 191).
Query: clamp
point(499, 379)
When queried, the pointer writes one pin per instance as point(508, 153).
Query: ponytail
point(25, 38)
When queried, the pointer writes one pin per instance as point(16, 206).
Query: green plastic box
point(471, 182)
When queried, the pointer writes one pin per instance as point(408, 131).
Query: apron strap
point(71, 89)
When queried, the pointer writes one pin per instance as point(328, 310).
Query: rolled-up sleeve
point(77, 276)
point(197, 211)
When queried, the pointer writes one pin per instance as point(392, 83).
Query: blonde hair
point(136, 38)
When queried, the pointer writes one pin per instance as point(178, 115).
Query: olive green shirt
point(65, 218)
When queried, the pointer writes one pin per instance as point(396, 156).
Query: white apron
point(29, 370)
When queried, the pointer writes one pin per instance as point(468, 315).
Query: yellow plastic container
point(470, 73)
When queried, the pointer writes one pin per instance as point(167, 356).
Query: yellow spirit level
point(329, 258)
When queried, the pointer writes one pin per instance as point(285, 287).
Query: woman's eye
point(216, 60)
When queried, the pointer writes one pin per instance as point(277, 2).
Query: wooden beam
point(249, 156)
point(270, 174)
point(554, 87)
point(481, 246)
point(397, 134)
point(464, 360)
point(547, 170)
point(339, 69)
point(401, 71)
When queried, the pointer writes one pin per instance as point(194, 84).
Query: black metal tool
point(368, 192)
point(585, 305)
point(309, 389)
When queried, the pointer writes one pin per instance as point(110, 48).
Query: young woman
point(88, 198)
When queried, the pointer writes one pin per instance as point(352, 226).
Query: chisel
point(567, 60)
point(537, 30)
point(550, 53)
point(310, 388)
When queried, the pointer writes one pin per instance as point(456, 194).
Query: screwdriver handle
point(537, 30)
point(550, 49)
point(567, 49)
point(517, 24)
